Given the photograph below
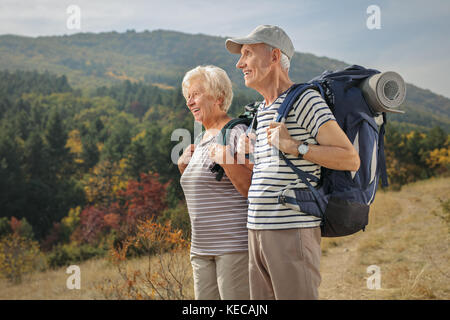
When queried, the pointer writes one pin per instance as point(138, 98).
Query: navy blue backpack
point(342, 198)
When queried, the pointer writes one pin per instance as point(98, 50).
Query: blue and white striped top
point(218, 212)
point(271, 174)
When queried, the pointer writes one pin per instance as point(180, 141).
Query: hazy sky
point(413, 39)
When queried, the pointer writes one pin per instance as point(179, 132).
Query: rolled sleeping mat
point(384, 92)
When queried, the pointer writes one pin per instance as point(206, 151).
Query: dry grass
point(51, 284)
point(98, 276)
point(165, 276)
point(406, 237)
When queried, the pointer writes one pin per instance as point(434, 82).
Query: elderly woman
point(217, 209)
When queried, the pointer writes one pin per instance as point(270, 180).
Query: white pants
point(221, 277)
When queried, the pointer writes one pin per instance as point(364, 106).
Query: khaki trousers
point(221, 277)
point(284, 264)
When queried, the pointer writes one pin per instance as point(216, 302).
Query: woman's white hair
point(284, 60)
point(216, 83)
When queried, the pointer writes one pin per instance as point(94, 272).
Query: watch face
point(302, 149)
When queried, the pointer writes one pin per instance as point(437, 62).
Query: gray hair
point(216, 81)
point(284, 61)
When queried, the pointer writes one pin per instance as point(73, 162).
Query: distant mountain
point(162, 57)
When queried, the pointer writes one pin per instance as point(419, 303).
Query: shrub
point(5, 227)
point(179, 219)
point(25, 230)
point(67, 254)
point(167, 275)
point(92, 224)
point(18, 256)
point(21, 228)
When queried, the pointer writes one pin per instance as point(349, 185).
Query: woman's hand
point(183, 161)
point(221, 154)
point(239, 174)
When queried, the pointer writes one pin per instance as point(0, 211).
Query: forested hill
point(159, 57)
point(77, 170)
point(162, 57)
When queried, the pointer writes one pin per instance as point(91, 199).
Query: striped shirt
point(271, 174)
point(218, 212)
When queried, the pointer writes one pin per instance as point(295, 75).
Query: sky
point(412, 38)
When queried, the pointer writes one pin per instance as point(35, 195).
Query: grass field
point(407, 238)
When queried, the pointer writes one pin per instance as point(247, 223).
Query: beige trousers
point(221, 277)
point(284, 264)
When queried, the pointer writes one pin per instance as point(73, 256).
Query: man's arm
point(334, 151)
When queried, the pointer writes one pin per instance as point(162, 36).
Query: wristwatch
point(303, 149)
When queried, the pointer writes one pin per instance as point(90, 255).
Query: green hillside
point(162, 57)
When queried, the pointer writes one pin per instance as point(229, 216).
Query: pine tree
point(60, 160)
point(35, 158)
point(90, 153)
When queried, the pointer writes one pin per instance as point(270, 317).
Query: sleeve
point(311, 111)
point(234, 136)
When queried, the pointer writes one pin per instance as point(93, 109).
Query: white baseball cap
point(271, 35)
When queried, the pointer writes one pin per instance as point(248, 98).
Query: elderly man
point(284, 244)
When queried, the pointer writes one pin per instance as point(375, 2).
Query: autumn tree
point(103, 182)
point(144, 199)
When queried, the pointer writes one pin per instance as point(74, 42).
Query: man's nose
point(240, 64)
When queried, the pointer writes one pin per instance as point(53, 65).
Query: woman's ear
point(219, 102)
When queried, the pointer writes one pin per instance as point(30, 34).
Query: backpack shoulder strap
point(294, 92)
point(199, 138)
point(225, 132)
point(381, 155)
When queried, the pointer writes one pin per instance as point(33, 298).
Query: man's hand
point(246, 144)
point(279, 137)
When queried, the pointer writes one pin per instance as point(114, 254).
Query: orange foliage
point(15, 225)
point(112, 220)
point(144, 199)
point(164, 279)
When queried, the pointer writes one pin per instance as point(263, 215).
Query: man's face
point(255, 63)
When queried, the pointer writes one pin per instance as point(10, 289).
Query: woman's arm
point(238, 173)
point(240, 176)
point(183, 161)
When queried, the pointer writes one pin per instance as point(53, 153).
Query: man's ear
point(275, 55)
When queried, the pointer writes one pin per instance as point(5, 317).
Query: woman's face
point(202, 105)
